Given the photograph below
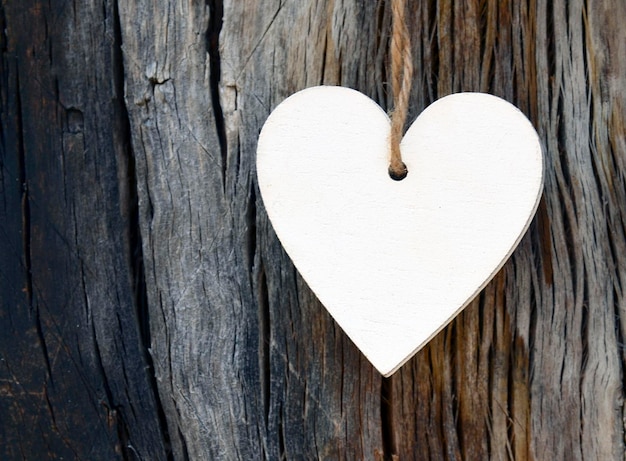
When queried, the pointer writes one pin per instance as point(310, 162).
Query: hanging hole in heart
point(398, 175)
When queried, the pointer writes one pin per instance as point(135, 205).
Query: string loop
point(401, 81)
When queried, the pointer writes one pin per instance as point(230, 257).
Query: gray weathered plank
point(531, 368)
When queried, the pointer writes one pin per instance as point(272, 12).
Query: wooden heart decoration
point(395, 261)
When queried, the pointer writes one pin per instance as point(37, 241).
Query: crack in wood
point(387, 418)
point(25, 199)
point(216, 15)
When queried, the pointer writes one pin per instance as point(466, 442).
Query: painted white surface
point(395, 261)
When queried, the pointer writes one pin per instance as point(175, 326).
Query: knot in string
point(401, 80)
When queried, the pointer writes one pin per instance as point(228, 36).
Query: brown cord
point(401, 80)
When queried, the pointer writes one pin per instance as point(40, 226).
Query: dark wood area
point(147, 310)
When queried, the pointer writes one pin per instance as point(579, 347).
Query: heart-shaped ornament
point(395, 261)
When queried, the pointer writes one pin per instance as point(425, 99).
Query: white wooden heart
point(395, 261)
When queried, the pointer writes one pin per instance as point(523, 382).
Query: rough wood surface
point(75, 380)
point(246, 362)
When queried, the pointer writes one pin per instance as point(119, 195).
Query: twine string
point(401, 80)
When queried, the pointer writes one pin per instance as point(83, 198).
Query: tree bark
point(148, 310)
point(75, 378)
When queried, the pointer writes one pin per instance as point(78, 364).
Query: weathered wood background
point(147, 309)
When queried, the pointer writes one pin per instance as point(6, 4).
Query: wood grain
point(75, 380)
point(247, 363)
